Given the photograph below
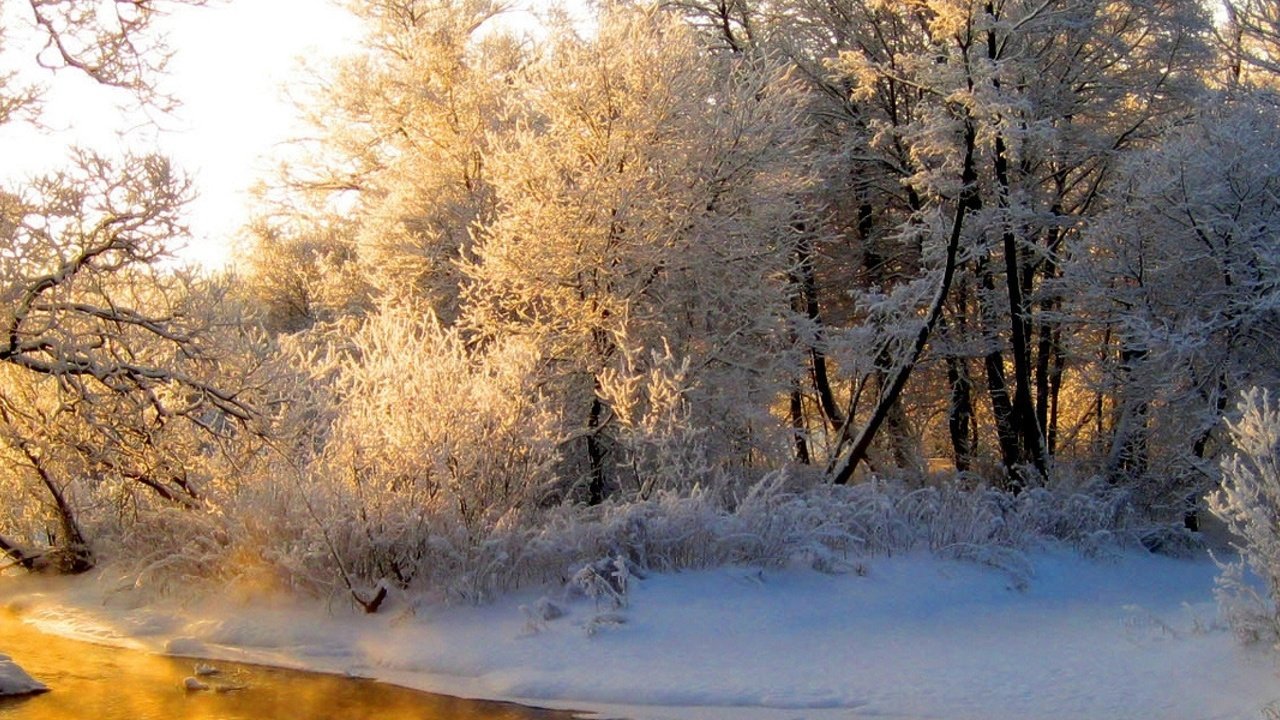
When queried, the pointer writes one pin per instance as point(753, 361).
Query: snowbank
point(1132, 637)
point(15, 681)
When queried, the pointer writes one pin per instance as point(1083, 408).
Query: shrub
point(1249, 502)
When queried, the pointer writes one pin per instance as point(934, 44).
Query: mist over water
point(91, 681)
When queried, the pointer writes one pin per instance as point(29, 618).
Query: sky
point(233, 68)
point(233, 65)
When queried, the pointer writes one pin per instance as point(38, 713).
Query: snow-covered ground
point(15, 681)
point(1136, 636)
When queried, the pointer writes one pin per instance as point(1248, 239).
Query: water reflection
point(99, 683)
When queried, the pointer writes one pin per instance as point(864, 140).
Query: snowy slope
point(15, 681)
point(1131, 637)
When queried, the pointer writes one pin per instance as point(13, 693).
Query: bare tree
point(107, 352)
point(114, 43)
point(111, 346)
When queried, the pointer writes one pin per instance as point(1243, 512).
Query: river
point(101, 683)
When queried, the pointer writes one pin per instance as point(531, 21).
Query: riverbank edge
point(90, 619)
point(1155, 603)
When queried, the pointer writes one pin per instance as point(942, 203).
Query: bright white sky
point(233, 63)
point(233, 66)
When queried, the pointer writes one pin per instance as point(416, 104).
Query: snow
point(1134, 636)
point(193, 685)
point(15, 681)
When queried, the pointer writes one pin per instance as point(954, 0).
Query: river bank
point(1060, 636)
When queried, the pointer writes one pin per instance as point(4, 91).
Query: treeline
point(521, 277)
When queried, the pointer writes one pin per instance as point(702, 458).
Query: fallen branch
point(17, 555)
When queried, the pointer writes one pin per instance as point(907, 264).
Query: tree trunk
point(74, 548)
point(798, 430)
point(808, 285)
point(960, 421)
point(1055, 392)
point(1199, 449)
point(1219, 404)
point(1128, 459)
point(906, 453)
point(800, 303)
point(962, 426)
point(842, 470)
point(1049, 356)
point(1098, 445)
point(1017, 284)
point(898, 436)
point(1024, 418)
point(595, 454)
point(1047, 352)
point(1011, 457)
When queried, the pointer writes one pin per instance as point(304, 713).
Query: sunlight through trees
point(534, 290)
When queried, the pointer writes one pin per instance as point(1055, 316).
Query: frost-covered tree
point(426, 442)
point(1249, 502)
point(108, 350)
point(108, 361)
point(646, 209)
point(1181, 274)
point(1040, 96)
point(1250, 39)
point(404, 131)
point(301, 270)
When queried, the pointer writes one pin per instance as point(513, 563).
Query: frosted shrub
point(434, 445)
point(1249, 502)
point(829, 528)
point(663, 447)
point(419, 538)
point(605, 581)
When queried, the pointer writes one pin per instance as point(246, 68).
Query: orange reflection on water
point(99, 683)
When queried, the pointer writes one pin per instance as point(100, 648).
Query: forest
point(664, 285)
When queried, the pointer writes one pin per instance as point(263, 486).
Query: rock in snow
point(15, 681)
